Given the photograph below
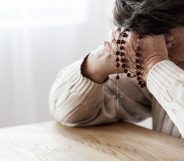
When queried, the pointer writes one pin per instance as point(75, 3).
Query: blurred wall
point(36, 41)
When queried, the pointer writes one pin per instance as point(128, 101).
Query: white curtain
point(37, 39)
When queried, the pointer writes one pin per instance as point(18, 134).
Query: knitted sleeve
point(166, 83)
point(78, 101)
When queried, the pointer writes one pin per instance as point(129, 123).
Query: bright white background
point(37, 39)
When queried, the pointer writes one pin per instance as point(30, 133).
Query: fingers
point(114, 34)
point(114, 46)
point(117, 33)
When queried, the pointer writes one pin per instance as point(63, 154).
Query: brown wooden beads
point(122, 62)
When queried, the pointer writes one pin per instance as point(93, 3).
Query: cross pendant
point(117, 97)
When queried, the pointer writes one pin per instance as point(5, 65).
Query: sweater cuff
point(160, 79)
point(82, 83)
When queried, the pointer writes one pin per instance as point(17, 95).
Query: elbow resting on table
point(67, 119)
point(67, 113)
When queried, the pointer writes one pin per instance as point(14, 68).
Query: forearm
point(99, 64)
point(73, 97)
point(166, 82)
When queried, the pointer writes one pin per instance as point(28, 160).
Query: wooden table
point(53, 142)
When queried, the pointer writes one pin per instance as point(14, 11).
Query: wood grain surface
point(117, 142)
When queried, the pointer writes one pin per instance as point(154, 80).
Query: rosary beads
point(134, 70)
point(122, 62)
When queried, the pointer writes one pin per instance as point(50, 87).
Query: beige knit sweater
point(78, 101)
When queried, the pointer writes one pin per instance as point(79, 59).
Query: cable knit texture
point(166, 82)
point(77, 101)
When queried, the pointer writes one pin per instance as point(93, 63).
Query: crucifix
point(117, 95)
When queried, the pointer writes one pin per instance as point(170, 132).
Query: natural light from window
point(36, 13)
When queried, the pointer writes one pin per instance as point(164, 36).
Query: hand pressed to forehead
point(149, 50)
point(113, 36)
